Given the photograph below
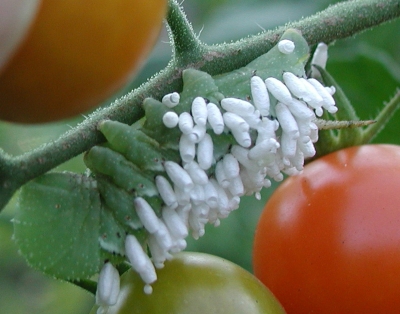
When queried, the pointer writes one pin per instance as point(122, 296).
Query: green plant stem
point(185, 43)
point(383, 117)
point(338, 21)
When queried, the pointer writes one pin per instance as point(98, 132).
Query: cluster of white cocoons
point(272, 138)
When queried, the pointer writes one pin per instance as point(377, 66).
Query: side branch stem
point(185, 41)
point(383, 117)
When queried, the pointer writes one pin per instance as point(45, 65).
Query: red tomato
point(60, 58)
point(328, 240)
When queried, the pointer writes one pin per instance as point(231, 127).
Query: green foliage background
point(367, 67)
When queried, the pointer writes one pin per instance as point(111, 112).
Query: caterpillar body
point(183, 166)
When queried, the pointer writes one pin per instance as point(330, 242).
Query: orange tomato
point(67, 56)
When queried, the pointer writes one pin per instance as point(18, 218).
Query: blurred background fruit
point(68, 56)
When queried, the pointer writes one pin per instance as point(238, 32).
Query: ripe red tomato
point(196, 283)
point(328, 240)
point(64, 57)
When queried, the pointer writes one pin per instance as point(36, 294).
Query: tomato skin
point(328, 240)
point(196, 283)
point(76, 54)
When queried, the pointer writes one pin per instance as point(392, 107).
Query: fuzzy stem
point(336, 125)
point(338, 21)
point(186, 43)
point(383, 117)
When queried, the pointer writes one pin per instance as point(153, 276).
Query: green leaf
point(56, 225)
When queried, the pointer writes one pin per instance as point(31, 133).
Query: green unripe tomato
point(196, 283)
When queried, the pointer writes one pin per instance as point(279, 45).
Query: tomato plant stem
point(186, 44)
point(383, 117)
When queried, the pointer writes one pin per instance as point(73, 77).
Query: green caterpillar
point(67, 224)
